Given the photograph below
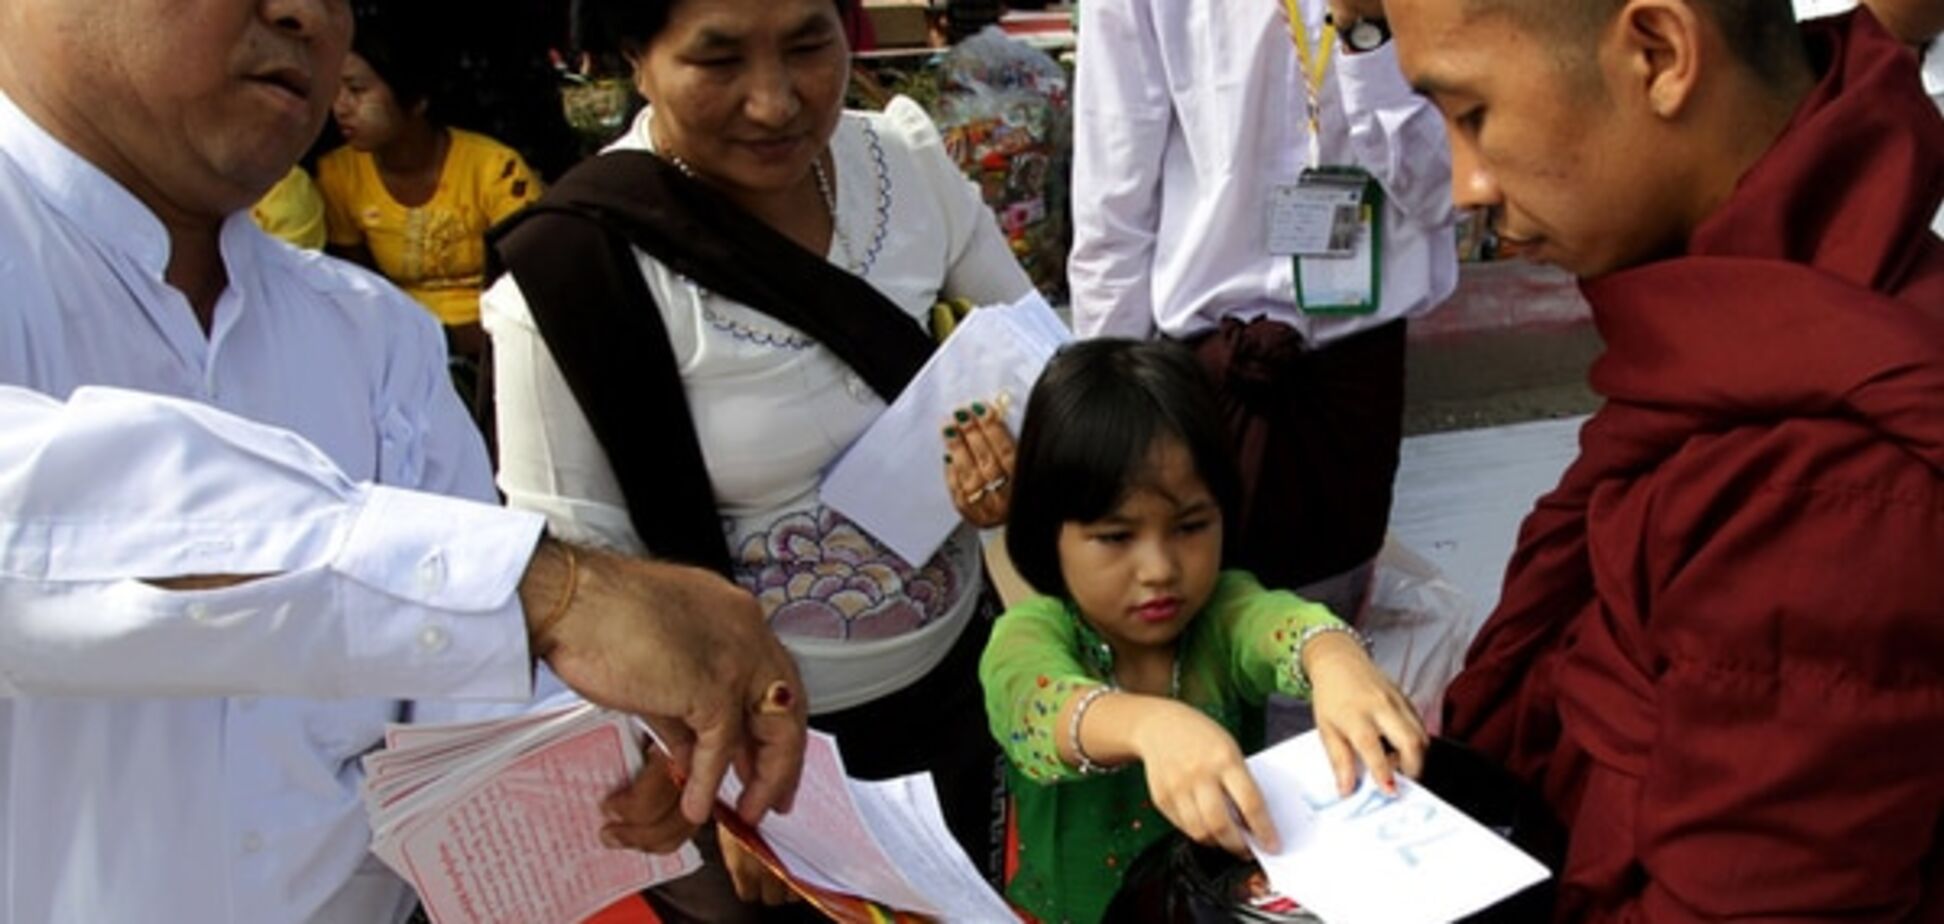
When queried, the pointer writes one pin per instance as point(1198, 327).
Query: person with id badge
point(1256, 179)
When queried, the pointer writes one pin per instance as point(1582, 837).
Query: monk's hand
point(647, 814)
point(1198, 779)
point(1361, 714)
point(979, 463)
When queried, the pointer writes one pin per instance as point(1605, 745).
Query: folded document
point(1370, 858)
point(889, 481)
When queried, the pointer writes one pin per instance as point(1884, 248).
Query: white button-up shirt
point(1186, 114)
point(192, 756)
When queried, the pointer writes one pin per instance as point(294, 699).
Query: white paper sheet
point(882, 840)
point(828, 841)
point(908, 818)
point(890, 481)
point(1377, 859)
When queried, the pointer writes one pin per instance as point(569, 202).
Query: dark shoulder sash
point(571, 255)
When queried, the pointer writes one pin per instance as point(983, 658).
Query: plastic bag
point(1004, 113)
point(1419, 625)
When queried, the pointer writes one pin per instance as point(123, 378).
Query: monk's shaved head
point(1761, 33)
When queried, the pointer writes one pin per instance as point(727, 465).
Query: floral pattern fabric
point(818, 575)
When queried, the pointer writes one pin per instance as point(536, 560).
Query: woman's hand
point(754, 882)
point(1358, 711)
point(979, 463)
point(1195, 773)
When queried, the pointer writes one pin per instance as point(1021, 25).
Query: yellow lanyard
point(1315, 61)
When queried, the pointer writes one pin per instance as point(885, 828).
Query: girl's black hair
point(405, 49)
point(627, 26)
point(1092, 422)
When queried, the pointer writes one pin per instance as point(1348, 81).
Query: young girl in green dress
point(1126, 696)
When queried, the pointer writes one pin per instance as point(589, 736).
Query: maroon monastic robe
point(1720, 652)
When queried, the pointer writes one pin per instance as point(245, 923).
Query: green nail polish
point(951, 433)
point(948, 458)
point(978, 409)
point(961, 415)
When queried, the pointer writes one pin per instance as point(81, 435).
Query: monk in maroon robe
point(1720, 650)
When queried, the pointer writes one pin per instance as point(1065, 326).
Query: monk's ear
point(1657, 47)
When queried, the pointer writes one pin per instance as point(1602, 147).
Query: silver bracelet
point(1085, 764)
point(1303, 640)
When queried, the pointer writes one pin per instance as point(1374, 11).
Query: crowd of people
point(249, 515)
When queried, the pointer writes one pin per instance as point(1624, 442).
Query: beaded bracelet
point(1303, 640)
point(1086, 764)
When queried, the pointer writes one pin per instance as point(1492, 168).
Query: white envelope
point(891, 482)
point(1376, 859)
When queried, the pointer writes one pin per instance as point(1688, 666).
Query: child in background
point(292, 211)
point(1120, 696)
point(413, 198)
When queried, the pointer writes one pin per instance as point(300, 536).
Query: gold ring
point(777, 699)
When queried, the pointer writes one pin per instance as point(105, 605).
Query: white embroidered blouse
point(773, 409)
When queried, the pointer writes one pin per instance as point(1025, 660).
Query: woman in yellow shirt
point(413, 198)
point(293, 211)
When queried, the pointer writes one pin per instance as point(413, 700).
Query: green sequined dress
point(1077, 834)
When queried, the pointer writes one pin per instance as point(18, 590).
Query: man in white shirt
point(1195, 124)
point(222, 575)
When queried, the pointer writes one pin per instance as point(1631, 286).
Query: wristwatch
point(1363, 34)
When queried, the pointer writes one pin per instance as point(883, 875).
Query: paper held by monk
point(1377, 859)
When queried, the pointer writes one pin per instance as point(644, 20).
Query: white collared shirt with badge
point(1190, 124)
point(172, 756)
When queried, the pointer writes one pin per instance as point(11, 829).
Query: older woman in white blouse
point(746, 96)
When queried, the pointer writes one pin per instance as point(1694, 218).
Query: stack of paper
point(500, 820)
point(864, 851)
point(1405, 859)
point(889, 482)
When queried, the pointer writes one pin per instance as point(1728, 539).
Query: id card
point(1347, 279)
point(1317, 215)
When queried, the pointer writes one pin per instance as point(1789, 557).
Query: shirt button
point(252, 842)
point(431, 573)
point(433, 639)
point(199, 612)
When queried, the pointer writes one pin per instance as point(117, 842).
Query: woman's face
point(747, 92)
point(366, 112)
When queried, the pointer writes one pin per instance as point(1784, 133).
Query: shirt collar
point(87, 196)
